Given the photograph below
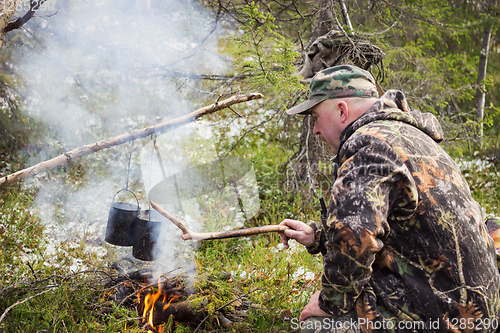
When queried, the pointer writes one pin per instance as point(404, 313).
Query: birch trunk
point(304, 170)
point(481, 89)
point(65, 158)
point(481, 75)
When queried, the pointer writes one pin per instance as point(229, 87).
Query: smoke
point(182, 171)
point(103, 68)
point(105, 64)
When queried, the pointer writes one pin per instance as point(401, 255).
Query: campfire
point(168, 301)
point(165, 302)
point(158, 306)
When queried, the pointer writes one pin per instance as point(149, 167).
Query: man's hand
point(312, 308)
point(301, 232)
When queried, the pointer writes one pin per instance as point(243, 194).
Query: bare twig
point(21, 302)
point(301, 43)
point(247, 132)
point(383, 31)
point(28, 282)
point(222, 307)
point(32, 270)
point(239, 115)
point(151, 328)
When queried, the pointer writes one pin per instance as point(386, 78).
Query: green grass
point(275, 283)
point(483, 177)
point(279, 281)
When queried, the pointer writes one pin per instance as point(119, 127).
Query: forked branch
point(188, 234)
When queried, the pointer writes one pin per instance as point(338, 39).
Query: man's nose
point(315, 128)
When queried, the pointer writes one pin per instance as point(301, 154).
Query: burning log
point(183, 311)
point(188, 234)
point(169, 299)
point(120, 139)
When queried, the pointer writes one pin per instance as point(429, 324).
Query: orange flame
point(167, 305)
point(149, 305)
point(149, 302)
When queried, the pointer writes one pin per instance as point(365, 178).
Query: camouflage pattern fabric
point(493, 225)
point(337, 82)
point(404, 243)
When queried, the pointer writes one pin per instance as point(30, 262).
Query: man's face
point(328, 123)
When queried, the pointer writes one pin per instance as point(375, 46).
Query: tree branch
point(65, 158)
point(21, 302)
point(34, 6)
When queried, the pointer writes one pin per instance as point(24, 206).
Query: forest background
point(74, 73)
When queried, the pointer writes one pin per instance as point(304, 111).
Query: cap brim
point(305, 107)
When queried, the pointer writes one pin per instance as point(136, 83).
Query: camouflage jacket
point(404, 241)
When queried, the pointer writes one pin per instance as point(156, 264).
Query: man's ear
point(344, 111)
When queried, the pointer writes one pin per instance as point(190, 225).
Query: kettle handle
point(124, 189)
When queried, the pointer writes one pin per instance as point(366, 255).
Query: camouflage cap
point(337, 82)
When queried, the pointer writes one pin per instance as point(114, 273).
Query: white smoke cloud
point(104, 61)
point(99, 71)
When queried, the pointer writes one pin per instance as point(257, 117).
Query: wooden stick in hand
point(188, 234)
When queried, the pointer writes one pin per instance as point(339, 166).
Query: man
point(404, 244)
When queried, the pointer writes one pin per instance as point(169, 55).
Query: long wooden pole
point(188, 234)
point(65, 158)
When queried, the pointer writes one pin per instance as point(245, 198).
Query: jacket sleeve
point(319, 239)
point(372, 187)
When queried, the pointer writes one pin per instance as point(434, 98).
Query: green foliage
point(266, 55)
point(21, 235)
point(278, 281)
point(55, 300)
point(17, 131)
point(75, 303)
point(483, 177)
point(432, 55)
point(433, 52)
